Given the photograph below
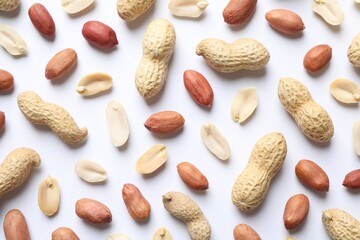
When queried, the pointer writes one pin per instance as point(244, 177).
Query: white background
point(58, 159)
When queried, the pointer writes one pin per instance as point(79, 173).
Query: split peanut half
point(75, 6)
point(356, 137)
point(117, 122)
point(118, 236)
point(152, 159)
point(215, 141)
point(49, 196)
point(345, 91)
point(11, 40)
point(188, 8)
point(94, 83)
point(90, 171)
point(329, 10)
point(244, 104)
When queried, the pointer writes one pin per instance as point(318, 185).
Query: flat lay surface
point(59, 159)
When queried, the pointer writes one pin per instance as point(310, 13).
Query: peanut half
point(184, 208)
point(49, 196)
point(9, 5)
point(158, 46)
point(11, 40)
point(16, 168)
point(118, 236)
point(345, 91)
point(187, 8)
point(162, 233)
point(244, 104)
point(54, 116)
point(94, 84)
point(15, 226)
point(91, 172)
point(152, 159)
point(118, 124)
point(215, 141)
point(356, 137)
point(312, 119)
point(76, 6)
point(251, 186)
point(329, 10)
point(340, 225)
point(244, 53)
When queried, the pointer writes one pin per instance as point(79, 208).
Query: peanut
point(312, 119)
point(49, 196)
point(16, 168)
point(2, 121)
point(129, 10)
point(165, 122)
point(252, 185)
point(64, 233)
point(353, 52)
point(42, 20)
point(244, 53)
point(136, 204)
point(296, 211)
point(6, 81)
point(238, 12)
point(352, 179)
point(312, 175)
point(92, 211)
point(162, 233)
point(54, 116)
point(9, 5)
point(317, 57)
point(198, 88)
point(329, 10)
point(192, 176)
point(184, 208)
point(99, 35)
point(340, 225)
point(245, 232)
point(285, 21)
point(15, 226)
point(158, 46)
point(61, 64)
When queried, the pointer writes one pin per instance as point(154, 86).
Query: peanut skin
point(243, 54)
point(54, 116)
point(64, 233)
point(137, 205)
point(16, 168)
point(251, 186)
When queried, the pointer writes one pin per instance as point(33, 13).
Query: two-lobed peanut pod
point(312, 119)
point(54, 116)
point(251, 186)
point(243, 54)
point(158, 46)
